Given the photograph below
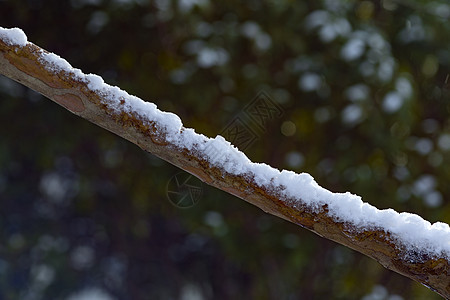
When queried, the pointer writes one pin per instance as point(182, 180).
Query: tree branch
point(112, 109)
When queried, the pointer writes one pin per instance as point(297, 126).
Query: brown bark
point(22, 65)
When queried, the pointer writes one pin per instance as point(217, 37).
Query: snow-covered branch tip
point(403, 242)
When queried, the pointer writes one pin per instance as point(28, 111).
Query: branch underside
point(23, 64)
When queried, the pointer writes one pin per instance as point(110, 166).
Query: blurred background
point(364, 89)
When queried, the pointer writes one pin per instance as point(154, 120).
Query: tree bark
point(23, 64)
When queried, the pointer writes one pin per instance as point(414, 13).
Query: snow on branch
point(402, 242)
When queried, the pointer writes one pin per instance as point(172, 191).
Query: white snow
point(13, 36)
point(411, 231)
point(56, 64)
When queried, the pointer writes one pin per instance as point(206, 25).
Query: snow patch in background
point(295, 159)
point(309, 82)
point(209, 57)
point(93, 293)
point(357, 92)
point(353, 49)
point(352, 114)
point(392, 102)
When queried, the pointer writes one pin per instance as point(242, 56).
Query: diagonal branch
point(402, 242)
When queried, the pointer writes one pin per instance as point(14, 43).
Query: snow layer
point(13, 36)
point(414, 233)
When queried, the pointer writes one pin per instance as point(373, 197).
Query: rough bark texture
point(22, 65)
